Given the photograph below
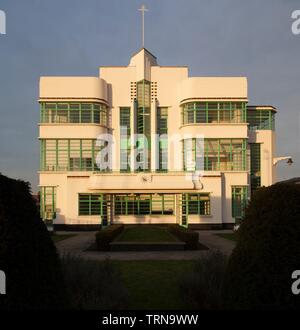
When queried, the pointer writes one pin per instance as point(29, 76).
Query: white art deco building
point(146, 143)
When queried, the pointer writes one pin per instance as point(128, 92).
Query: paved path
point(78, 244)
point(215, 242)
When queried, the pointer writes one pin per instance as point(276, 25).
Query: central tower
point(142, 62)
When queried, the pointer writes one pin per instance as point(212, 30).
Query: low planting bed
point(147, 238)
point(146, 233)
point(191, 238)
point(106, 236)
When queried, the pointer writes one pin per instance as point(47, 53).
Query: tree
point(267, 252)
point(27, 254)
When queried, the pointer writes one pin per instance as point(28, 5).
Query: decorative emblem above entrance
point(146, 178)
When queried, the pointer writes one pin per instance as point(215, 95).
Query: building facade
point(145, 144)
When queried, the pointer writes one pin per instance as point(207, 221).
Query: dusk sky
point(214, 38)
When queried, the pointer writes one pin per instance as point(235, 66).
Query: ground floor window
point(239, 201)
point(198, 204)
point(91, 204)
point(144, 204)
point(48, 203)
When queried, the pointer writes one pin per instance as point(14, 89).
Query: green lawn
point(230, 236)
point(146, 234)
point(154, 284)
point(60, 237)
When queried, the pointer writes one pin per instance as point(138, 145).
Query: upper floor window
point(62, 113)
point(213, 112)
point(214, 154)
point(261, 119)
point(162, 131)
point(72, 155)
point(125, 131)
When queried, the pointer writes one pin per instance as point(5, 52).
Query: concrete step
point(147, 246)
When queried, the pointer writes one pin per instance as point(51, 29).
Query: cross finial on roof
point(143, 9)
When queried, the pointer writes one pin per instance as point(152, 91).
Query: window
point(62, 113)
point(255, 171)
point(144, 204)
point(162, 131)
point(48, 203)
point(91, 204)
point(198, 204)
point(214, 154)
point(125, 145)
point(143, 103)
point(261, 119)
point(213, 112)
point(69, 155)
point(239, 201)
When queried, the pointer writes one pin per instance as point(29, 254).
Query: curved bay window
point(77, 113)
point(213, 112)
point(214, 155)
point(71, 155)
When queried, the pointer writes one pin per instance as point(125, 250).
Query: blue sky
point(214, 38)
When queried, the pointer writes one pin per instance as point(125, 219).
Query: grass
point(202, 288)
point(60, 237)
point(229, 236)
point(93, 285)
point(146, 234)
point(154, 284)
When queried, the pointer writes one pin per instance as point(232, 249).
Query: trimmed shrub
point(107, 235)
point(93, 284)
point(267, 252)
point(191, 238)
point(202, 287)
point(27, 253)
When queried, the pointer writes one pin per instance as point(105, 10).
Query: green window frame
point(125, 145)
point(213, 112)
point(48, 202)
point(74, 113)
point(255, 166)
point(144, 204)
point(197, 204)
point(239, 201)
point(261, 119)
point(143, 111)
point(218, 154)
point(162, 131)
point(91, 204)
point(69, 155)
